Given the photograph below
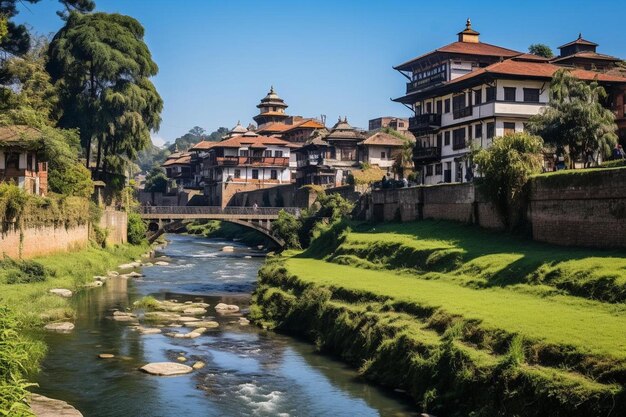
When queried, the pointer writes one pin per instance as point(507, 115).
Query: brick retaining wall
point(42, 240)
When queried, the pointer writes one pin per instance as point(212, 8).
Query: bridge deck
point(213, 212)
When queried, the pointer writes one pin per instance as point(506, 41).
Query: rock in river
point(166, 368)
point(161, 263)
point(48, 407)
point(228, 249)
point(198, 365)
point(226, 308)
point(61, 292)
point(106, 356)
point(62, 327)
point(206, 324)
point(194, 310)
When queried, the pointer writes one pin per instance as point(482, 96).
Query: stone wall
point(286, 195)
point(41, 241)
point(575, 209)
point(116, 223)
point(581, 210)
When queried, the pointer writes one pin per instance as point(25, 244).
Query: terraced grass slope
point(469, 322)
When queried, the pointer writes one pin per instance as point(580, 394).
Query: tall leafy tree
point(102, 66)
point(541, 50)
point(575, 118)
point(16, 39)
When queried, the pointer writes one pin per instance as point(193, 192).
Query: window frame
point(508, 91)
point(535, 99)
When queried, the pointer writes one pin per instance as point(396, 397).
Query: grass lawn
point(32, 302)
point(592, 327)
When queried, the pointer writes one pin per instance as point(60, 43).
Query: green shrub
point(613, 164)
point(137, 229)
point(286, 228)
point(147, 303)
point(17, 358)
point(23, 272)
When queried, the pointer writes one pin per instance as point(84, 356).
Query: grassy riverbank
point(228, 231)
point(26, 306)
point(469, 322)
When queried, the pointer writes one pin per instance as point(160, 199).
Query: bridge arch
point(169, 218)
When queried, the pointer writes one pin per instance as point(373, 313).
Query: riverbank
point(27, 305)
point(465, 320)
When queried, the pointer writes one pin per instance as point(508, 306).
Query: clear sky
point(217, 59)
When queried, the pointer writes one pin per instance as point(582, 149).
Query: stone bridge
point(162, 219)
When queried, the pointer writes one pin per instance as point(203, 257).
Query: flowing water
point(248, 372)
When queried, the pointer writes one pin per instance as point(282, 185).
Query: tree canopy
point(575, 118)
point(101, 66)
point(506, 166)
point(15, 39)
point(195, 135)
point(541, 50)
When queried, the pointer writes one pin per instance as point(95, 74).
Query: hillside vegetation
point(469, 322)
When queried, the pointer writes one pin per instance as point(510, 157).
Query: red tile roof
point(247, 140)
point(514, 67)
point(579, 41)
point(184, 159)
point(283, 127)
point(383, 139)
point(587, 55)
point(466, 48)
point(203, 145)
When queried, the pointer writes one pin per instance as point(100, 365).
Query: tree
point(286, 228)
point(156, 180)
point(15, 39)
point(404, 159)
point(541, 49)
point(101, 65)
point(506, 166)
point(575, 118)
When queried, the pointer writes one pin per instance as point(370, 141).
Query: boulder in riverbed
point(47, 407)
point(161, 316)
point(228, 249)
point(61, 327)
point(106, 356)
point(161, 263)
point(198, 365)
point(61, 292)
point(166, 368)
point(148, 330)
point(130, 265)
point(185, 319)
point(194, 310)
point(203, 323)
point(226, 308)
point(243, 321)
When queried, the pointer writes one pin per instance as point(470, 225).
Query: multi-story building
point(469, 91)
point(179, 171)
point(396, 123)
point(21, 159)
point(380, 149)
point(243, 162)
point(328, 159)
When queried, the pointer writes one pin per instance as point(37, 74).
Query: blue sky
point(217, 59)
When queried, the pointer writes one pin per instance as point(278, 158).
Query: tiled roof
point(283, 127)
point(343, 130)
point(467, 48)
point(531, 57)
point(203, 145)
point(383, 139)
point(587, 55)
point(18, 133)
point(579, 41)
point(535, 70)
point(250, 139)
point(184, 159)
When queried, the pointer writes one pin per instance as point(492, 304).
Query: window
point(278, 154)
point(382, 155)
point(255, 174)
point(401, 124)
point(459, 107)
point(429, 170)
point(274, 174)
point(267, 154)
point(447, 175)
point(12, 160)
point(429, 107)
point(418, 109)
point(459, 172)
point(458, 138)
point(439, 107)
point(439, 140)
point(478, 131)
point(491, 130)
point(509, 127)
point(243, 152)
point(237, 173)
point(438, 169)
point(490, 94)
point(509, 93)
point(446, 138)
point(446, 103)
point(478, 97)
point(531, 95)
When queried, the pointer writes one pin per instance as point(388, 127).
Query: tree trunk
point(98, 158)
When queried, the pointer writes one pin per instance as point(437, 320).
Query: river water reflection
point(249, 372)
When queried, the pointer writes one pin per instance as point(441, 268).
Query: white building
point(469, 91)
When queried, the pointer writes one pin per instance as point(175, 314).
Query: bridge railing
point(209, 210)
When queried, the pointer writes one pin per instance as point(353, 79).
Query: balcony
point(423, 156)
point(251, 160)
point(424, 123)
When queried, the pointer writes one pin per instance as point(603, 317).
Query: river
point(248, 372)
